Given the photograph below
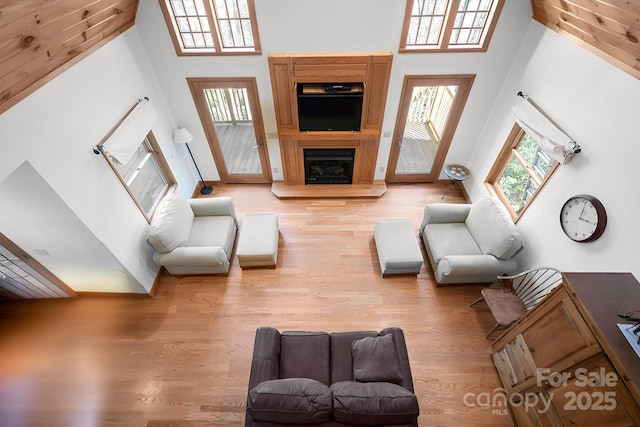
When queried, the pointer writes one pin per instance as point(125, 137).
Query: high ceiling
point(609, 28)
point(39, 39)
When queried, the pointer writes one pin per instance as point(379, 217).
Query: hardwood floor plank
point(182, 358)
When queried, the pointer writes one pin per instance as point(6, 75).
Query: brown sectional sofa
point(330, 379)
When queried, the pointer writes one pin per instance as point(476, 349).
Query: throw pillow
point(376, 359)
point(171, 223)
point(373, 404)
point(290, 401)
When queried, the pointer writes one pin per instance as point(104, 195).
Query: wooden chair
point(519, 294)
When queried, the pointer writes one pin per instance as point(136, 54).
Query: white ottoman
point(258, 241)
point(397, 246)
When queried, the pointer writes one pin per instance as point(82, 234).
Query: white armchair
point(470, 243)
point(194, 236)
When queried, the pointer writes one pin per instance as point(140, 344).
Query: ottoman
point(397, 247)
point(258, 241)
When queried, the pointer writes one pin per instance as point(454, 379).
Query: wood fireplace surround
point(288, 70)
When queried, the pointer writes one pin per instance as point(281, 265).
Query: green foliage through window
point(524, 174)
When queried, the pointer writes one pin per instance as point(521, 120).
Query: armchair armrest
point(401, 348)
point(473, 268)
point(217, 206)
point(197, 255)
point(265, 364)
point(439, 213)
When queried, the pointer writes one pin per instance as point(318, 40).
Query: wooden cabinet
point(287, 71)
point(566, 362)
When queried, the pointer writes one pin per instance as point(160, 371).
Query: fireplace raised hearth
point(328, 165)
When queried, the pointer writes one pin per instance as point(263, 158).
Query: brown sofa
point(330, 379)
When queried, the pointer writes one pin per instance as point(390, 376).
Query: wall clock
point(583, 218)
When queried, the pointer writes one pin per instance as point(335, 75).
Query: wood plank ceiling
point(609, 28)
point(39, 39)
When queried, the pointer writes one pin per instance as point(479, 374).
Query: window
point(146, 175)
point(520, 172)
point(449, 25)
point(212, 27)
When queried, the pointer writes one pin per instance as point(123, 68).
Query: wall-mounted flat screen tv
point(330, 106)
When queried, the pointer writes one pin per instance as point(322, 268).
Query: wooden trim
point(502, 161)
point(171, 26)
point(162, 163)
point(405, 26)
point(329, 191)
point(31, 262)
point(217, 50)
point(287, 70)
point(607, 28)
point(42, 39)
point(464, 83)
point(254, 26)
point(196, 190)
point(452, 9)
point(9, 99)
point(213, 26)
point(156, 282)
point(447, 29)
point(90, 294)
point(196, 86)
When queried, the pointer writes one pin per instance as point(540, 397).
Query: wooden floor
point(182, 358)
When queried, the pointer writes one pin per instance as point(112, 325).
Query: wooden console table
point(569, 352)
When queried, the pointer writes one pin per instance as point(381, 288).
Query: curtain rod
point(525, 119)
point(99, 147)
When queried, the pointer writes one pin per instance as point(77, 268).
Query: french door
point(230, 113)
point(429, 111)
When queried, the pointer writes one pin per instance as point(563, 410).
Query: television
point(330, 106)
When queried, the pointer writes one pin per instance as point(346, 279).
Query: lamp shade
point(182, 136)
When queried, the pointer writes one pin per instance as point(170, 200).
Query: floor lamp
point(183, 136)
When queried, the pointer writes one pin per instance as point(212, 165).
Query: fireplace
point(328, 165)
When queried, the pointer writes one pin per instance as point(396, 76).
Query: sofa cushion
point(213, 231)
point(376, 359)
point(493, 229)
point(449, 239)
point(171, 223)
point(290, 401)
point(341, 358)
point(373, 404)
point(305, 355)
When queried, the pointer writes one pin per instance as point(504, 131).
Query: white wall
point(54, 130)
point(597, 105)
point(325, 26)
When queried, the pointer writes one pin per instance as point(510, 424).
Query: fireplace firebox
point(328, 165)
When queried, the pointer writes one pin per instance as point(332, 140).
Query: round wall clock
point(583, 218)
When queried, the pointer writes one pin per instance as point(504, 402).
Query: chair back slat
point(533, 285)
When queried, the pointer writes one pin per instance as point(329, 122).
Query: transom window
point(520, 172)
point(449, 25)
point(209, 27)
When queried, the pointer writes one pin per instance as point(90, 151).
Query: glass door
point(230, 114)
point(430, 108)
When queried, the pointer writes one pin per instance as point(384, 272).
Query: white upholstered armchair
point(470, 243)
point(194, 236)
